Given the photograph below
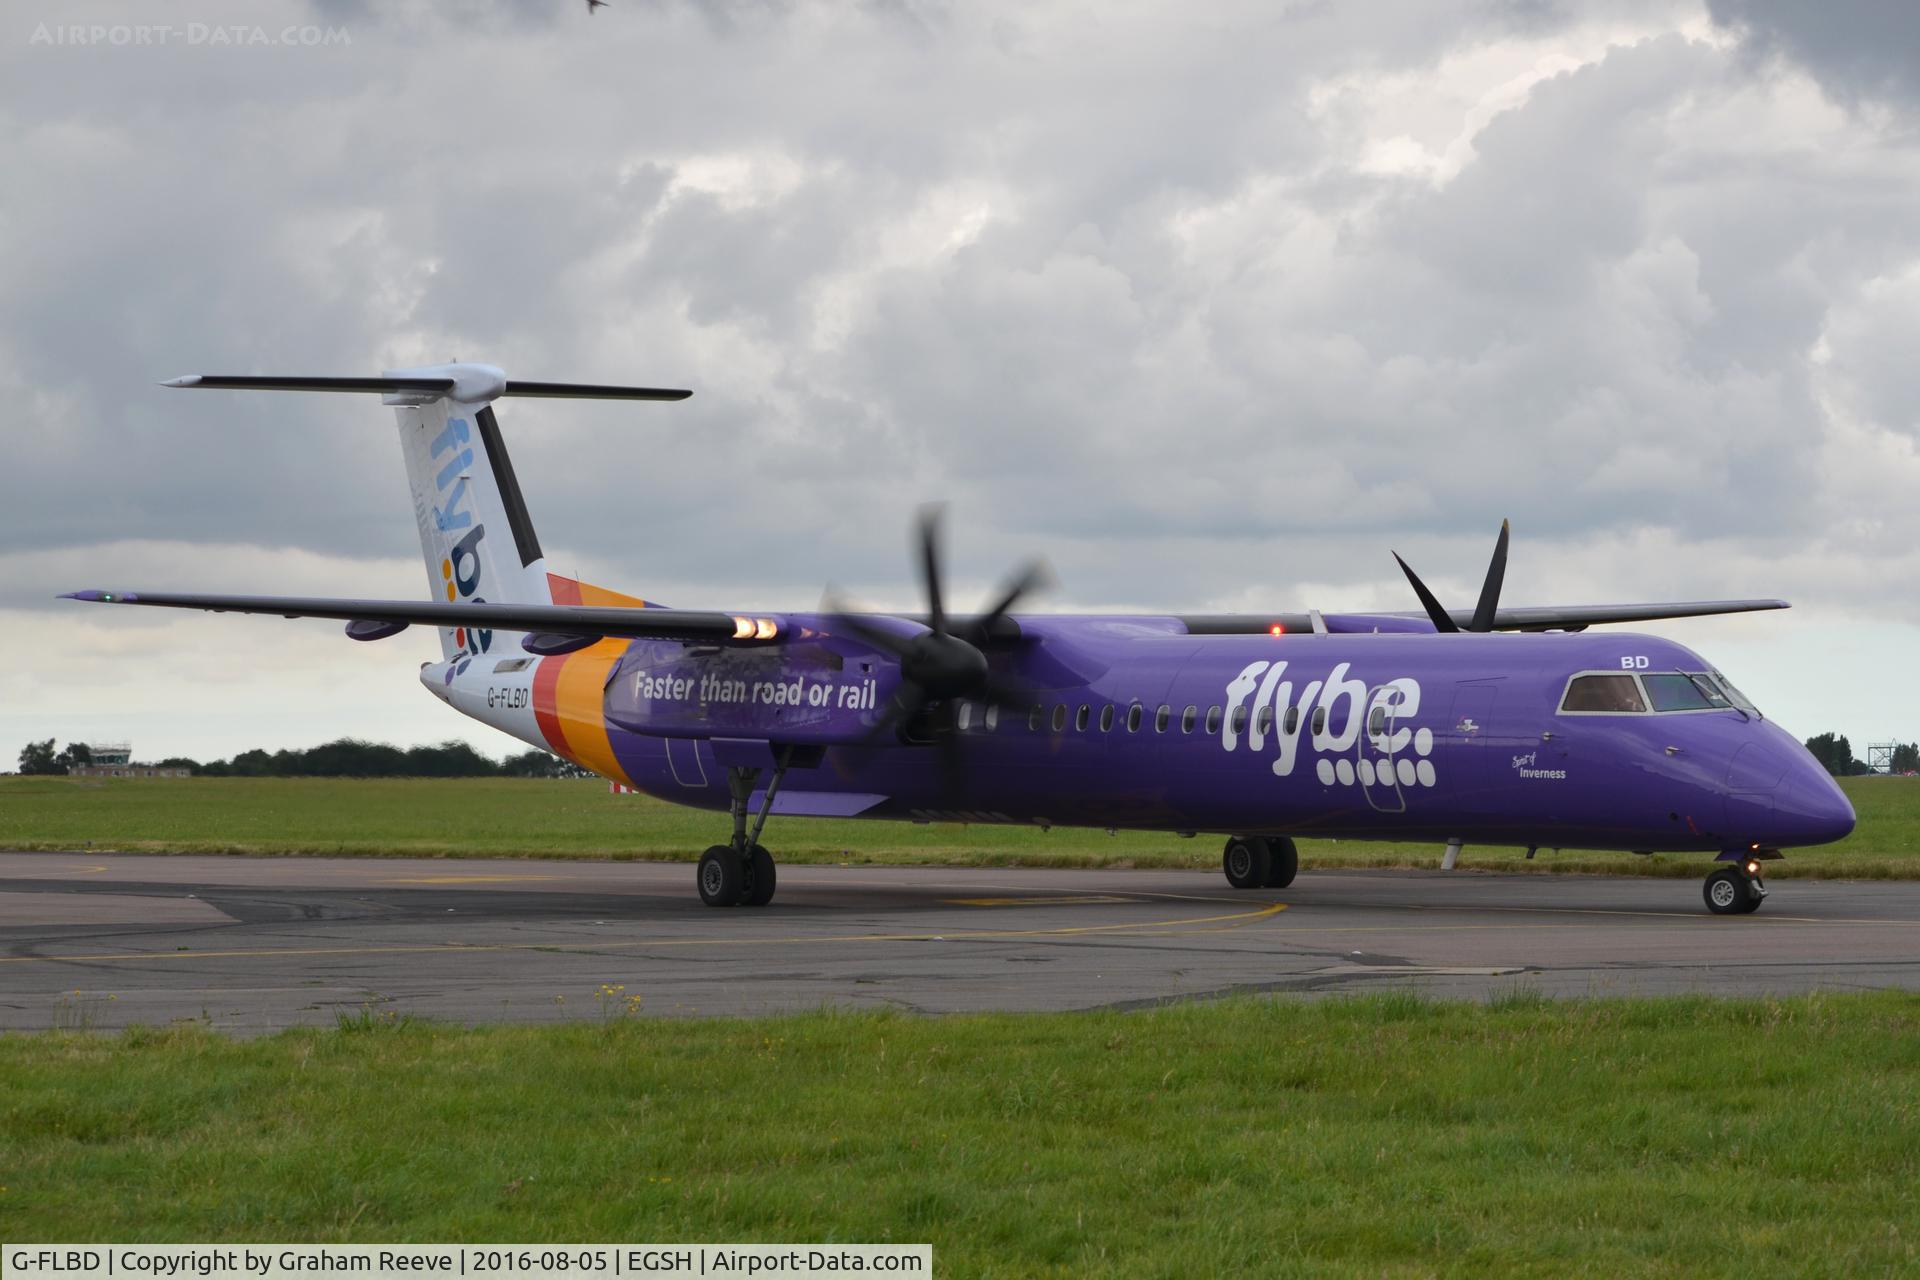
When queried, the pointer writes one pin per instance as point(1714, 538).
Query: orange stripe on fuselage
point(569, 691)
point(574, 591)
point(546, 681)
point(579, 703)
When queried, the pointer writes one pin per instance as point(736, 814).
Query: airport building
point(115, 760)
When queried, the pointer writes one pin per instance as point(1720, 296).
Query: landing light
point(764, 629)
point(1276, 630)
point(1753, 867)
point(743, 628)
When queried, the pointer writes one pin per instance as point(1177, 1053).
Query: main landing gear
point(740, 873)
point(1736, 890)
point(1260, 862)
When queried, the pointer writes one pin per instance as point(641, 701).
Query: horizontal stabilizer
point(551, 619)
point(590, 391)
point(468, 383)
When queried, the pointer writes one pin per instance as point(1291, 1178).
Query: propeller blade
point(1489, 606)
point(859, 628)
point(1034, 577)
point(907, 699)
point(930, 567)
point(1442, 621)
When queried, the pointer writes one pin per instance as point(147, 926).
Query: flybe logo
point(1358, 732)
point(460, 564)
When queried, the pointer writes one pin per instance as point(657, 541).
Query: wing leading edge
point(540, 619)
point(385, 617)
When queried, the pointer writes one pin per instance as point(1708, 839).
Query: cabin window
point(992, 719)
point(1135, 714)
point(1082, 718)
point(963, 716)
point(1060, 717)
point(1377, 721)
point(1263, 723)
point(1033, 718)
point(1603, 694)
point(1319, 721)
point(1290, 724)
point(1106, 718)
point(1187, 719)
point(1213, 720)
point(1162, 718)
point(1239, 719)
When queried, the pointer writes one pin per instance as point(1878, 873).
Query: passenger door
point(1376, 760)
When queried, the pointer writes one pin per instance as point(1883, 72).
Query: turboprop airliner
point(1502, 726)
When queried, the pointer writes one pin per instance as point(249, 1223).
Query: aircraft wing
point(1576, 617)
point(386, 617)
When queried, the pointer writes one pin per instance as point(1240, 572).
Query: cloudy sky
point(1212, 305)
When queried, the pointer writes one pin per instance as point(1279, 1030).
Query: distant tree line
point(1836, 753)
point(342, 758)
point(41, 758)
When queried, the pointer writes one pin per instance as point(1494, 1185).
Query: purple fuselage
point(1410, 736)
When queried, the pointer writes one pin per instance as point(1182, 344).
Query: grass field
point(492, 817)
point(1388, 1135)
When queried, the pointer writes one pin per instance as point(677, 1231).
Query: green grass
point(1381, 1136)
point(538, 819)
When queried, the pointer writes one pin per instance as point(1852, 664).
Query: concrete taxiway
point(255, 944)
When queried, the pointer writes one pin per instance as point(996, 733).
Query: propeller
point(1488, 607)
point(943, 663)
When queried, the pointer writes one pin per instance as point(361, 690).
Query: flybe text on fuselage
point(1266, 711)
point(460, 568)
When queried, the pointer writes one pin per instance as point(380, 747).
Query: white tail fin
point(475, 535)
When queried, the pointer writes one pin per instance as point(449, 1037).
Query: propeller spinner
point(945, 662)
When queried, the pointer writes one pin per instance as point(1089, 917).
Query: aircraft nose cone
point(1810, 808)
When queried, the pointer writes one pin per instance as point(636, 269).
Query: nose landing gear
point(1737, 890)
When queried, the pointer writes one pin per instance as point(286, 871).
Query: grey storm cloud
point(1207, 305)
point(1857, 49)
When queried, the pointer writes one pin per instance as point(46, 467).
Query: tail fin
point(475, 534)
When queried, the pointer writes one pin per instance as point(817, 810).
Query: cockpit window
point(1738, 698)
point(1671, 691)
point(1711, 688)
point(1603, 693)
